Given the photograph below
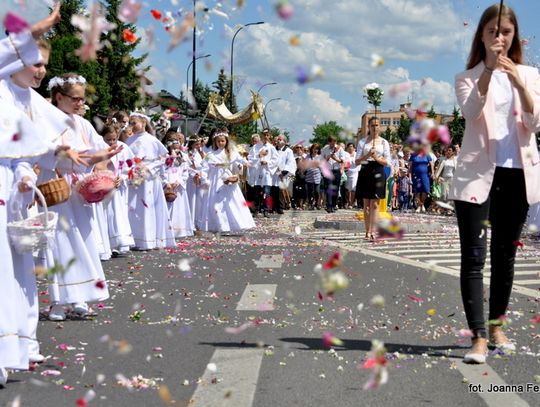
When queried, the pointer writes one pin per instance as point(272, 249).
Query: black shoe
point(329, 210)
point(280, 212)
point(266, 215)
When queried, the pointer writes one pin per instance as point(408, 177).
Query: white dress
point(120, 235)
point(18, 295)
point(76, 241)
point(352, 174)
point(225, 209)
point(194, 191)
point(179, 211)
point(265, 173)
point(148, 214)
point(17, 302)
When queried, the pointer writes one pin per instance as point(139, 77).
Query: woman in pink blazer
point(497, 176)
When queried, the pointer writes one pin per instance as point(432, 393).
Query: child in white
point(148, 215)
point(120, 236)
point(176, 178)
point(225, 209)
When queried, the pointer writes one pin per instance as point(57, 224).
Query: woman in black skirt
point(373, 154)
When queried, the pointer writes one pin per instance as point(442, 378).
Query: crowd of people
point(164, 188)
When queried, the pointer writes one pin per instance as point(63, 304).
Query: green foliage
point(64, 27)
point(321, 132)
point(120, 67)
point(431, 113)
point(113, 79)
point(404, 128)
point(223, 87)
point(457, 126)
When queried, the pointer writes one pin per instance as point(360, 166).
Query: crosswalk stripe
point(436, 252)
point(233, 382)
point(257, 297)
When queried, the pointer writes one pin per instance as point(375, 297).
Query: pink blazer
point(476, 161)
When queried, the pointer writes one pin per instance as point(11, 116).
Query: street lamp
point(264, 110)
point(189, 66)
point(232, 52)
point(266, 84)
point(259, 91)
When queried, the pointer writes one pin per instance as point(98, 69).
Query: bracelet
point(16, 50)
point(488, 70)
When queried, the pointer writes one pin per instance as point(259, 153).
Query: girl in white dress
point(148, 213)
point(83, 280)
point(176, 179)
point(225, 209)
point(120, 236)
point(194, 184)
point(18, 145)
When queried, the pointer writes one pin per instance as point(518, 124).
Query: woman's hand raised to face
point(509, 67)
point(493, 51)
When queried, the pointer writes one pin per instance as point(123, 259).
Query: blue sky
point(423, 42)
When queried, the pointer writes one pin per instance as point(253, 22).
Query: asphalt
point(164, 323)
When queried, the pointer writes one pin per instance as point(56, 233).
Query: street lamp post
point(194, 46)
point(189, 66)
point(187, 89)
point(264, 110)
point(232, 53)
point(259, 91)
point(266, 84)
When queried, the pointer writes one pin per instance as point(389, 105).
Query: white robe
point(18, 303)
point(75, 243)
point(148, 213)
point(224, 209)
point(286, 162)
point(77, 239)
point(265, 173)
point(19, 147)
point(195, 192)
point(179, 211)
point(120, 235)
point(253, 169)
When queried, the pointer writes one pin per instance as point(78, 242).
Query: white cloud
point(340, 37)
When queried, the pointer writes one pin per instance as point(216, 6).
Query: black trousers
point(332, 190)
point(506, 210)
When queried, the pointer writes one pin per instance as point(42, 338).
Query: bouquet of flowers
point(138, 173)
point(425, 131)
point(374, 94)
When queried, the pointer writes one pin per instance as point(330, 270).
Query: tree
point(457, 126)
point(120, 68)
point(223, 86)
point(64, 42)
point(404, 128)
point(431, 113)
point(321, 132)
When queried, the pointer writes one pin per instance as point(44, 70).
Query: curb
point(408, 225)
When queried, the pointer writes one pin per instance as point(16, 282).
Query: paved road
point(237, 321)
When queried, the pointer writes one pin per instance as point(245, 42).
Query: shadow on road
point(365, 345)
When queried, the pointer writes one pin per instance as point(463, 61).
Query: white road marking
point(234, 383)
point(257, 297)
point(484, 376)
point(269, 261)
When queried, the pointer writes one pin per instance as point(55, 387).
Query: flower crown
point(221, 134)
point(57, 81)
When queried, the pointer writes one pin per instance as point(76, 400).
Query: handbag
point(436, 190)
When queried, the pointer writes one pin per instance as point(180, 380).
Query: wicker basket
point(31, 234)
point(55, 191)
